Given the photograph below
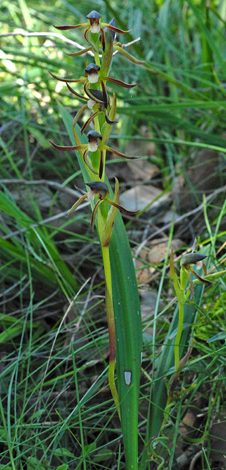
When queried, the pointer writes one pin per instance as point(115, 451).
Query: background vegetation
point(56, 409)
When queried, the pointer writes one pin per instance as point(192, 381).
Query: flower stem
point(111, 324)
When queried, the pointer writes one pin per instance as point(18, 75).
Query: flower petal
point(94, 213)
point(70, 147)
point(129, 56)
point(75, 93)
point(77, 203)
point(64, 28)
point(119, 82)
point(77, 54)
point(122, 209)
point(88, 163)
point(117, 30)
point(116, 152)
point(66, 80)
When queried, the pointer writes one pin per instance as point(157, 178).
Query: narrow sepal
point(64, 28)
point(117, 30)
point(94, 213)
point(79, 113)
point(106, 129)
point(116, 152)
point(88, 163)
point(89, 121)
point(119, 82)
point(68, 147)
point(129, 56)
point(67, 80)
point(76, 94)
point(77, 54)
point(105, 98)
point(202, 279)
point(102, 39)
point(77, 203)
point(89, 93)
point(122, 209)
point(107, 49)
point(109, 121)
point(87, 38)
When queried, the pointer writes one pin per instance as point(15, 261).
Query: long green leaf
point(128, 327)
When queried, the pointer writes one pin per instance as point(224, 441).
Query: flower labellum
point(94, 18)
point(92, 73)
point(93, 140)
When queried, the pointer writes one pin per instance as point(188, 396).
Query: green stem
point(111, 324)
point(178, 336)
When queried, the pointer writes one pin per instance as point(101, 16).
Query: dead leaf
point(142, 169)
point(152, 254)
point(138, 197)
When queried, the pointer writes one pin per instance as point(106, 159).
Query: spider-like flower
point(94, 144)
point(93, 75)
point(190, 259)
point(99, 190)
point(95, 103)
point(197, 259)
point(94, 25)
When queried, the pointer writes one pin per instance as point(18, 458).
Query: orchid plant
point(184, 288)
point(100, 37)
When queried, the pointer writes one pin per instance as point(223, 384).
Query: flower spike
point(93, 144)
point(95, 103)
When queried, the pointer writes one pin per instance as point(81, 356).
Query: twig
point(195, 458)
point(55, 35)
point(52, 184)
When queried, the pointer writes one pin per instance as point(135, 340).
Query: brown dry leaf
point(138, 197)
point(187, 425)
point(153, 253)
point(142, 169)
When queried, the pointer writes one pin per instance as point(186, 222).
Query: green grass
point(55, 405)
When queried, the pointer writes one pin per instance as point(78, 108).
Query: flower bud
point(99, 190)
point(191, 258)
